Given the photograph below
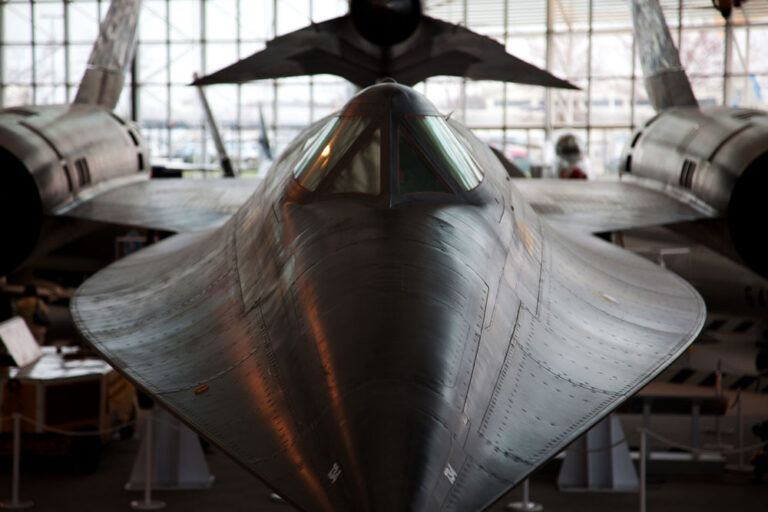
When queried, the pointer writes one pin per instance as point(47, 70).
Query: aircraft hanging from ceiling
point(380, 39)
point(387, 322)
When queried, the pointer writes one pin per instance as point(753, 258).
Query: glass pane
point(292, 15)
point(702, 52)
point(221, 20)
point(530, 48)
point(18, 64)
point(612, 55)
point(185, 62)
point(330, 145)
point(184, 20)
point(83, 21)
point(17, 24)
point(571, 52)
point(414, 174)
point(363, 173)
point(153, 24)
point(452, 154)
point(153, 63)
point(484, 102)
point(255, 21)
point(49, 22)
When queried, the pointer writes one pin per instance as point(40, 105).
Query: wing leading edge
point(169, 204)
point(611, 205)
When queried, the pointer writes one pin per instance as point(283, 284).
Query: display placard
point(19, 342)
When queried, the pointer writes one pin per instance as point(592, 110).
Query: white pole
point(526, 495)
point(642, 469)
point(526, 505)
point(148, 461)
point(15, 503)
point(149, 470)
point(740, 427)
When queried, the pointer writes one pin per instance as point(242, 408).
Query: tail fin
point(665, 79)
point(112, 54)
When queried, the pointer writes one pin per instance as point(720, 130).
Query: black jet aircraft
point(386, 324)
point(389, 321)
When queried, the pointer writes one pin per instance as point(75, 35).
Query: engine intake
point(21, 211)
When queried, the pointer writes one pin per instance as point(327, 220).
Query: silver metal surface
point(607, 205)
point(665, 79)
point(718, 154)
point(53, 155)
point(170, 204)
point(376, 353)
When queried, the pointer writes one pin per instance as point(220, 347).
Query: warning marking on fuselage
point(334, 473)
point(450, 473)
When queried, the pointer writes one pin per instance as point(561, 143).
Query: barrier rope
point(695, 450)
point(601, 449)
point(81, 433)
point(73, 433)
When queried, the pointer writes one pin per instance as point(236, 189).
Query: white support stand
point(526, 505)
point(15, 502)
point(740, 467)
point(178, 457)
point(147, 503)
point(643, 467)
point(599, 461)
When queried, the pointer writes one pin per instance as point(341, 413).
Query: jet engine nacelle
point(50, 157)
point(718, 154)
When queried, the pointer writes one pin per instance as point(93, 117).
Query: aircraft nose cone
point(392, 327)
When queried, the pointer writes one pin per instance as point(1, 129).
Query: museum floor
point(53, 488)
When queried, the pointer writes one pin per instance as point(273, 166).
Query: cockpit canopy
point(388, 140)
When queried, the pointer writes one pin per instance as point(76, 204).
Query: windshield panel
point(363, 174)
point(414, 173)
point(451, 153)
point(329, 146)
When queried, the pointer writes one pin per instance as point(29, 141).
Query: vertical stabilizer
point(665, 79)
point(111, 56)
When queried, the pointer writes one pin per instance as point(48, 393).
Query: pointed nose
point(392, 326)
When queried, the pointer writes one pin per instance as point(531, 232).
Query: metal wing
point(604, 323)
point(169, 204)
point(600, 206)
point(600, 323)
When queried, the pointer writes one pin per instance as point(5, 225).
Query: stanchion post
point(643, 442)
point(740, 427)
point(526, 505)
point(15, 502)
point(526, 494)
point(695, 412)
point(149, 470)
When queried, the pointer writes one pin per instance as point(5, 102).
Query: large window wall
point(45, 45)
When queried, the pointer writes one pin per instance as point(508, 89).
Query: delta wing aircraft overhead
point(389, 321)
